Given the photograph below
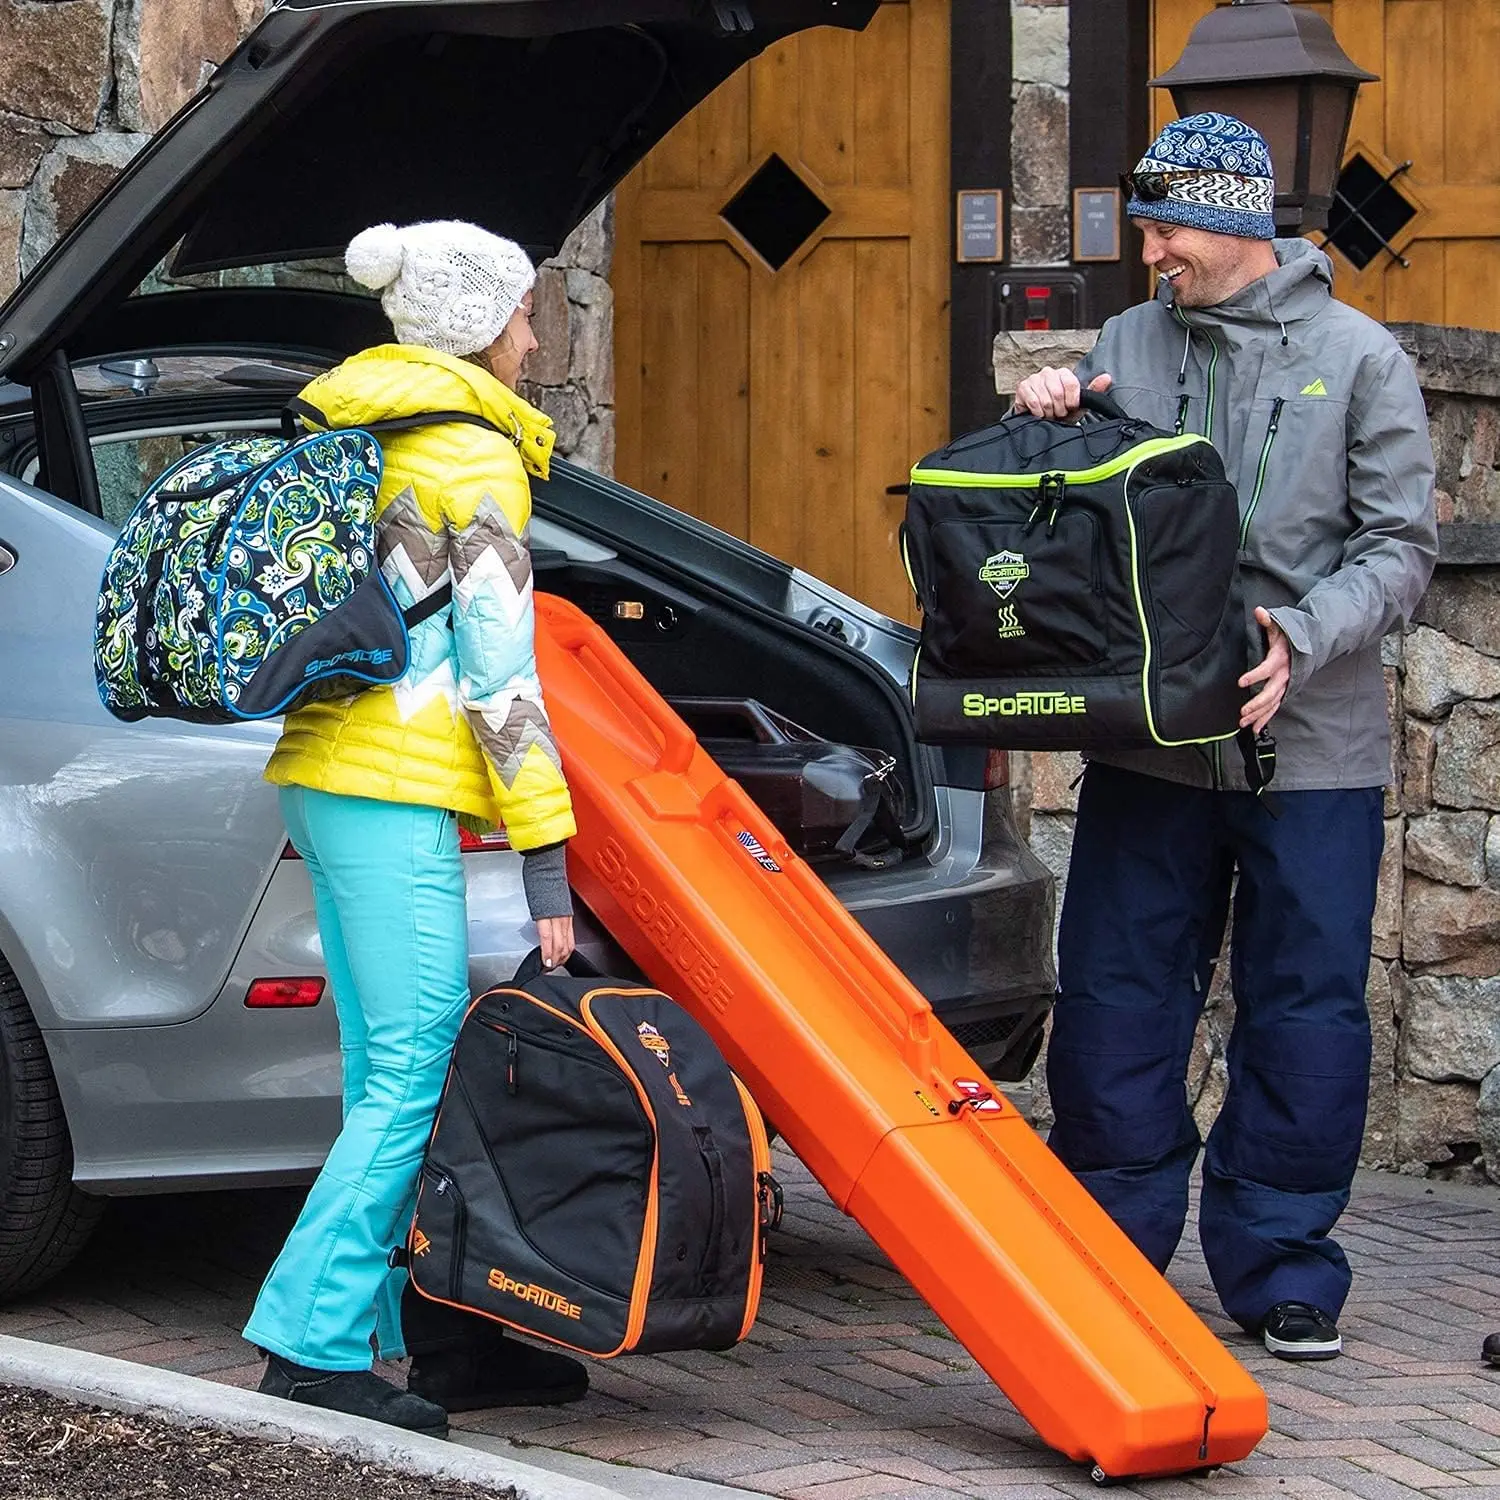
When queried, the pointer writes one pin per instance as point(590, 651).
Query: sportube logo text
point(537, 1296)
point(1023, 705)
point(377, 658)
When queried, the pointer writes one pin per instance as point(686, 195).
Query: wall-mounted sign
point(1096, 223)
point(981, 225)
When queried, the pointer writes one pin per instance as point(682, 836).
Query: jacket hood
point(1298, 289)
point(405, 380)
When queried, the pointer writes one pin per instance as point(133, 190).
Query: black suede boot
point(466, 1363)
point(359, 1393)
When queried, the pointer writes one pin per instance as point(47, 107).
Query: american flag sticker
point(757, 851)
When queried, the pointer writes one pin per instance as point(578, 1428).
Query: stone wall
point(84, 83)
point(1434, 994)
point(1040, 206)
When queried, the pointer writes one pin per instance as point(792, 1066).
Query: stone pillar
point(572, 376)
point(1433, 994)
point(1040, 212)
point(84, 83)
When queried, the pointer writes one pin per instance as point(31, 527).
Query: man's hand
point(1055, 393)
point(1275, 672)
point(556, 935)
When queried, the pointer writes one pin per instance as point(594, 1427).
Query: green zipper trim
point(1260, 473)
point(1140, 610)
point(1213, 369)
point(964, 479)
point(916, 661)
point(906, 563)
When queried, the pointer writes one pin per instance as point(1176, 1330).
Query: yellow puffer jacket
point(466, 727)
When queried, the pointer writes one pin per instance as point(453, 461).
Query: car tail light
point(289, 852)
point(284, 994)
point(996, 770)
point(472, 843)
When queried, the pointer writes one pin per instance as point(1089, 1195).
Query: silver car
point(162, 1018)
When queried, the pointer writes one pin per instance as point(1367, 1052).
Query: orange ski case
point(1097, 1352)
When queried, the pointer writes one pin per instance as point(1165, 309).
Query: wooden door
point(1436, 106)
point(781, 402)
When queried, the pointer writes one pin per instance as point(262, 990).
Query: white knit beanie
point(444, 285)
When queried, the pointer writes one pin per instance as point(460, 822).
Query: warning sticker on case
point(757, 851)
point(983, 1098)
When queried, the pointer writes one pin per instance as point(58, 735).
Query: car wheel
point(44, 1219)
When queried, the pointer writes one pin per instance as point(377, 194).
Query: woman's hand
point(556, 935)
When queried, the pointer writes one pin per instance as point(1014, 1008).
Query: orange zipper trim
point(641, 1289)
point(760, 1157)
point(633, 1320)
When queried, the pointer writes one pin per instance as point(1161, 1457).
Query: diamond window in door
point(775, 212)
point(1369, 212)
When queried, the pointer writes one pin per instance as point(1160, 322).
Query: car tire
point(44, 1219)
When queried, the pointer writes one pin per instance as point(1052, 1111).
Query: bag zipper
point(646, 1265)
point(767, 1201)
point(709, 1262)
point(967, 479)
point(1260, 473)
point(442, 1186)
point(1139, 589)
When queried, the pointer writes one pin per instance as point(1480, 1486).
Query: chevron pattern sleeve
point(494, 632)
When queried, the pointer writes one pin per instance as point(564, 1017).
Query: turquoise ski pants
point(389, 888)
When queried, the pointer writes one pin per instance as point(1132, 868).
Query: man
point(1321, 425)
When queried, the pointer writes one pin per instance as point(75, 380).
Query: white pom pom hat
point(444, 285)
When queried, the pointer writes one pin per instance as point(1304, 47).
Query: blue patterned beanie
point(1238, 192)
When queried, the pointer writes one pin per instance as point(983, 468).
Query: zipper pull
point(442, 1187)
point(1276, 406)
point(1182, 414)
point(512, 1052)
point(1059, 494)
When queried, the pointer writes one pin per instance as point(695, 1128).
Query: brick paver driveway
point(849, 1387)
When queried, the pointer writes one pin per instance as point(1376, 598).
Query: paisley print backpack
point(246, 581)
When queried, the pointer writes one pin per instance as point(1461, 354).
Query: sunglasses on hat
point(1154, 187)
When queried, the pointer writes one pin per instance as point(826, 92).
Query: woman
point(373, 790)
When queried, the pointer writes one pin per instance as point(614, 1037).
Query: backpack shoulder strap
point(426, 608)
point(297, 410)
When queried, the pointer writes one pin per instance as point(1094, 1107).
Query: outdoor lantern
point(1278, 67)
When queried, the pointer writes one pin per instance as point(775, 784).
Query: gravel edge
point(185, 1401)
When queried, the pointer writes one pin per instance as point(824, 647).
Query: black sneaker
point(497, 1371)
point(359, 1393)
point(1298, 1330)
point(465, 1362)
point(1491, 1349)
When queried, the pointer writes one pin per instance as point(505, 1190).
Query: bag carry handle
point(1102, 404)
point(532, 968)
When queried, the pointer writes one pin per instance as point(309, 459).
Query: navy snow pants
point(1147, 898)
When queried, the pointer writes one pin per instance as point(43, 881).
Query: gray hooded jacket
point(1322, 428)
